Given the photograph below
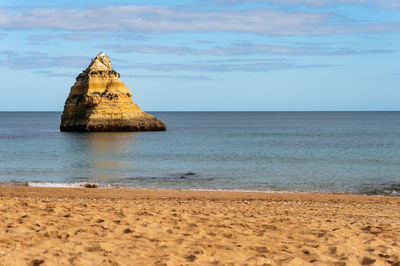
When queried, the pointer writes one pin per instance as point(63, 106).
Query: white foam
point(84, 185)
point(50, 184)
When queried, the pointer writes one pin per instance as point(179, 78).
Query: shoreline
point(122, 226)
point(166, 193)
point(79, 185)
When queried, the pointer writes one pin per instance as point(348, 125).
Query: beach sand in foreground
point(53, 226)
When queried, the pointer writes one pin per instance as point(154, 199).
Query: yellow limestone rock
point(99, 101)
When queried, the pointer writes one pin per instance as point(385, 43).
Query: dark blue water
point(355, 152)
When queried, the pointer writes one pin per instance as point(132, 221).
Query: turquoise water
point(355, 152)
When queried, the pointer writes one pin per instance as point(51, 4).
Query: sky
point(206, 55)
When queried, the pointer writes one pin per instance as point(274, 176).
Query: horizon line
point(214, 111)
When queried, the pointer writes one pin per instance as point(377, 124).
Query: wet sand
point(93, 226)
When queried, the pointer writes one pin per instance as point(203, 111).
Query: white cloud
point(391, 4)
point(71, 37)
point(160, 19)
point(42, 63)
point(34, 60)
point(224, 66)
point(175, 77)
point(242, 48)
point(40, 38)
point(157, 19)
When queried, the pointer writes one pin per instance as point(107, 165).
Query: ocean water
point(351, 152)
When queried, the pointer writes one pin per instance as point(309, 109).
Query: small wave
point(387, 189)
point(14, 183)
point(187, 181)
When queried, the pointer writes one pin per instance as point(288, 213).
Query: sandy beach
point(93, 226)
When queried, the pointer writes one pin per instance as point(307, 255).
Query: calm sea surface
point(356, 152)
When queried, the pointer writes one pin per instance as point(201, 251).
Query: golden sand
point(56, 226)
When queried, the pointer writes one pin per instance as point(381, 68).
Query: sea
point(338, 152)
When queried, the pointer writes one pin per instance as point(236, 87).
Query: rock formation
point(99, 101)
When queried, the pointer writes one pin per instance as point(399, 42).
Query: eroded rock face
point(99, 101)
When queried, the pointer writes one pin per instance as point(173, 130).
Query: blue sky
point(208, 55)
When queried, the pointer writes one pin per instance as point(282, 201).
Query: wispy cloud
point(49, 73)
point(176, 77)
point(391, 4)
point(34, 60)
point(243, 48)
point(224, 67)
point(244, 60)
point(83, 37)
point(79, 37)
point(42, 63)
point(158, 19)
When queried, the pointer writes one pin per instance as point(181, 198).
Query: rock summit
point(99, 101)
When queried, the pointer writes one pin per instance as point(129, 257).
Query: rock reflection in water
point(106, 151)
point(100, 155)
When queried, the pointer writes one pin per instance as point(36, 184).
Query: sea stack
point(99, 101)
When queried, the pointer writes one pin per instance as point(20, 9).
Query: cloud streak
point(224, 67)
point(34, 60)
point(243, 48)
point(175, 77)
point(159, 19)
point(41, 63)
point(83, 37)
point(390, 4)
